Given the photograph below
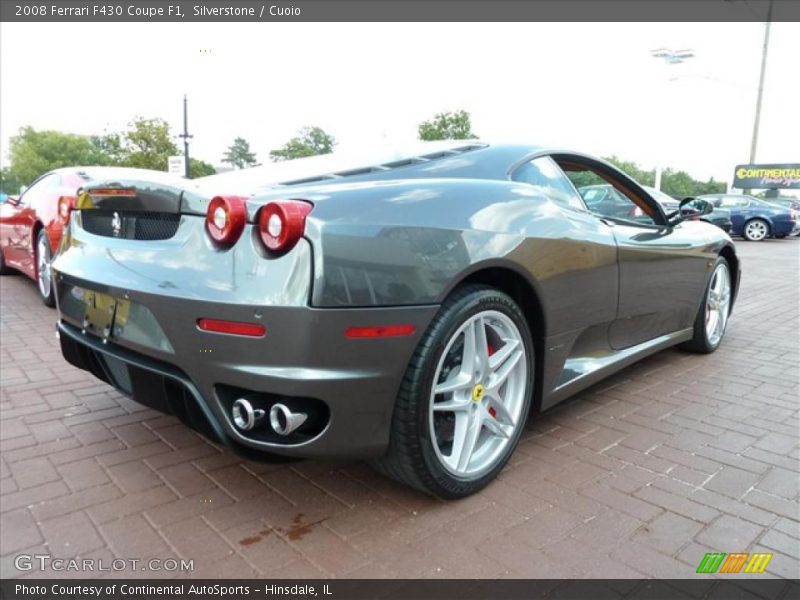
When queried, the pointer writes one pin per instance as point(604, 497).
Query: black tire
point(700, 342)
point(47, 294)
point(748, 237)
point(4, 270)
point(411, 458)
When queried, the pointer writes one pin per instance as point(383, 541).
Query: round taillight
point(225, 219)
point(282, 223)
point(65, 206)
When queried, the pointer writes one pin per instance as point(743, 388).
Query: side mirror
point(698, 208)
point(22, 189)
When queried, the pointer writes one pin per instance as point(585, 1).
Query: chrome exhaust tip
point(245, 417)
point(283, 420)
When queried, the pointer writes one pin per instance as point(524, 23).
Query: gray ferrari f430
point(412, 309)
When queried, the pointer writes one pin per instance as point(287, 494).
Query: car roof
point(475, 159)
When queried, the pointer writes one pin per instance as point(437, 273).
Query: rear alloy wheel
point(756, 230)
point(712, 318)
point(43, 273)
point(465, 397)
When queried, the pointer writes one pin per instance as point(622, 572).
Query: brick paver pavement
point(640, 475)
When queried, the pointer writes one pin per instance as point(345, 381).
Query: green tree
point(447, 126)
point(8, 182)
point(711, 187)
point(633, 170)
point(310, 141)
point(239, 154)
point(33, 153)
point(199, 168)
point(110, 144)
point(679, 184)
point(148, 144)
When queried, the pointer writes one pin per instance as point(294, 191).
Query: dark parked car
point(785, 201)
point(667, 202)
point(412, 309)
point(792, 204)
point(605, 199)
point(719, 216)
point(754, 219)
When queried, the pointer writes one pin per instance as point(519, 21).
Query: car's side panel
point(663, 272)
point(18, 244)
point(7, 217)
point(371, 250)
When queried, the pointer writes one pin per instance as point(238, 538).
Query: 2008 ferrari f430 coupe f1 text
point(411, 309)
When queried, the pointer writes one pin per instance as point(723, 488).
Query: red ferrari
point(31, 224)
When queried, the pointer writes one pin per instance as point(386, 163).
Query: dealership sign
point(176, 165)
point(760, 177)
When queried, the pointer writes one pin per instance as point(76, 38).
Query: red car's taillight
point(282, 223)
point(225, 219)
point(65, 206)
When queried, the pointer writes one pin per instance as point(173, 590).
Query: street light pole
point(671, 57)
point(186, 135)
point(754, 143)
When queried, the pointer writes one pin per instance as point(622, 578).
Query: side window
point(607, 198)
point(544, 174)
point(733, 202)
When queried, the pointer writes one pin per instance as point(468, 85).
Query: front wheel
point(465, 396)
point(756, 230)
point(43, 276)
point(712, 318)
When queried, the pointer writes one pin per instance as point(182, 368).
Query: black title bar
point(180, 11)
point(394, 589)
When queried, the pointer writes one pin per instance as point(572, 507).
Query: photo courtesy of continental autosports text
point(446, 299)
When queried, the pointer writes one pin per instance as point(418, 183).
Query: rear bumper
point(783, 227)
point(304, 358)
point(159, 356)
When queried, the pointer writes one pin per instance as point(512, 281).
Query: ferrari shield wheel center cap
point(478, 392)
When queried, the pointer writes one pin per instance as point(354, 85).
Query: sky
point(592, 87)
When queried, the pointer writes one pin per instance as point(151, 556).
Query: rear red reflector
point(355, 333)
point(232, 327)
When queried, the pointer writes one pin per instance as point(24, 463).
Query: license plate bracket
point(100, 311)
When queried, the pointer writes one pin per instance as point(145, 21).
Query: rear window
point(547, 176)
